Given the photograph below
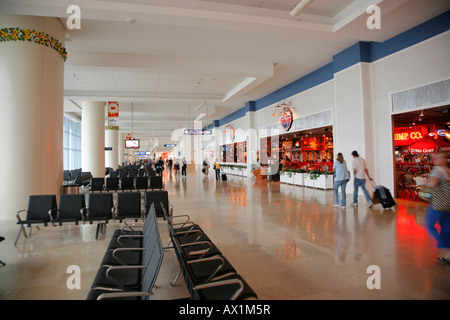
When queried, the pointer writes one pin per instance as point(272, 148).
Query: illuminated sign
point(406, 136)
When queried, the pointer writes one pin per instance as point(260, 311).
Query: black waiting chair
point(66, 175)
point(212, 278)
point(113, 174)
point(128, 205)
point(127, 244)
point(112, 184)
point(100, 210)
point(141, 183)
point(133, 173)
point(156, 182)
point(1, 262)
point(126, 183)
point(71, 209)
point(123, 174)
point(131, 281)
point(157, 197)
point(96, 184)
point(142, 173)
point(41, 210)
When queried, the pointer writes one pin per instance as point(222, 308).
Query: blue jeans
point(217, 174)
point(342, 184)
point(443, 218)
point(360, 183)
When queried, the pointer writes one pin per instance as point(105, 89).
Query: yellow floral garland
point(18, 34)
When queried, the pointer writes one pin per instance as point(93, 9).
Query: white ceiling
point(179, 53)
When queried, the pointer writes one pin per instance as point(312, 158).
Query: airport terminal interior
point(229, 113)
point(288, 243)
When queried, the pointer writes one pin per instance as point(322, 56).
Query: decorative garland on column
point(111, 127)
point(18, 34)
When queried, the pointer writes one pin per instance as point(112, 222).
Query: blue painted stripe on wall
point(359, 52)
point(309, 81)
point(411, 37)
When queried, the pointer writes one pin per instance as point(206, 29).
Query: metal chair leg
point(22, 229)
point(176, 279)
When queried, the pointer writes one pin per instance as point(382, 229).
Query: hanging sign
point(113, 114)
point(286, 119)
point(194, 132)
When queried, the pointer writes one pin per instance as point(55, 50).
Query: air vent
point(430, 95)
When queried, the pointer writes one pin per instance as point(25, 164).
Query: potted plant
point(321, 179)
point(286, 176)
point(299, 177)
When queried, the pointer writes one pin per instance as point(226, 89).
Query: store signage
point(231, 132)
point(194, 132)
point(286, 119)
point(404, 136)
point(170, 145)
point(113, 113)
point(410, 135)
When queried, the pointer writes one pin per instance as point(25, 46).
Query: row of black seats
point(207, 273)
point(125, 184)
point(43, 210)
point(120, 173)
point(77, 179)
point(131, 263)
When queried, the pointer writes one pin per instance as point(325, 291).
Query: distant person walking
point(183, 167)
point(340, 180)
point(217, 169)
point(359, 171)
point(205, 167)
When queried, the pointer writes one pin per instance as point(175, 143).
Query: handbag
point(441, 196)
point(426, 193)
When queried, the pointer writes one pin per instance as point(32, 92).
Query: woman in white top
point(341, 177)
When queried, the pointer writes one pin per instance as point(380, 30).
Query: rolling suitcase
point(224, 176)
point(383, 195)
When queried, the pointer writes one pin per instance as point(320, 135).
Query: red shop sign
point(406, 136)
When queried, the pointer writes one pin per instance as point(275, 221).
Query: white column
point(121, 148)
point(112, 141)
point(353, 117)
point(93, 138)
point(31, 91)
point(251, 139)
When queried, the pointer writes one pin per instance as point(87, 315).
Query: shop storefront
point(417, 136)
point(303, 158)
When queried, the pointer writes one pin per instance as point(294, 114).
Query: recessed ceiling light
point(131, 20)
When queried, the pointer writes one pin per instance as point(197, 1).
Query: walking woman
point(438, 211)
point(340, 180)
point(217, 169)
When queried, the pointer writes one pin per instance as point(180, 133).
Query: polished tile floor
point(288, 242)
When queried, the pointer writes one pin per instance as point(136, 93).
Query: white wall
point(360, 99)
point(425, 63)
